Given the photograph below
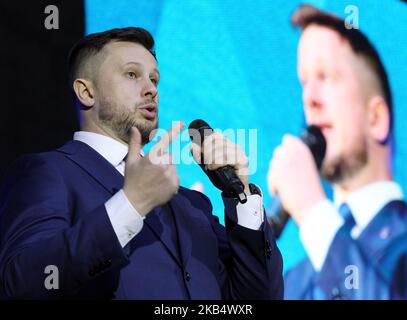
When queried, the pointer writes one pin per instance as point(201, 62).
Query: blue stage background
point(233, 63)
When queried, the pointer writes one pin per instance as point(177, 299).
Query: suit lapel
point(158, 221)
point(186, 219)
point(183, 213)
point(94, 164)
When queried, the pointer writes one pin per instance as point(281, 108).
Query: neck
point(98, 128)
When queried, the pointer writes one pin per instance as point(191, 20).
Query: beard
point(120, 120)
point(343, 167)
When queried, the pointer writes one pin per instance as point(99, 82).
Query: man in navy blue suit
point(96, 219)
point(357, 244)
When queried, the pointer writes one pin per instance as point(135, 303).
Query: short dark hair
point(92, 44)
point(306, 15)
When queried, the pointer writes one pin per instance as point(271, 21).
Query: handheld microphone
point(223, 178)
point(314, 139)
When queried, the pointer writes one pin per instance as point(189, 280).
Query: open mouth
point(149, 110)
point(325, 128)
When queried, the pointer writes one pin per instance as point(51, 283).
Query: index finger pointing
point(168, 137)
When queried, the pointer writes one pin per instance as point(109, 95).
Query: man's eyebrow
point(133, 62)
point(140, 65)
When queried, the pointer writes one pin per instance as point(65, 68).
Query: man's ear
point(379, 119)
point(84, 91)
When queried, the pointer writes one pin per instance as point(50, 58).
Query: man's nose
point(311, 96)
point(149, 88)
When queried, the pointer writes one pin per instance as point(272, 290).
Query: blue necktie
point(346, 214)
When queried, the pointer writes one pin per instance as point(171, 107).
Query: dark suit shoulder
point(31, 162)
point(29, 176)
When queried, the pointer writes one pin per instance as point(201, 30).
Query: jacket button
point(187, 276)
point(335, 294)
point(108, 263)
point(268, 250)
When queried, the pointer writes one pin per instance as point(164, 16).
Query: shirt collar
point(366, 202)
point(110, 149)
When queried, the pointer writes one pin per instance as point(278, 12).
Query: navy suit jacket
point(52, 213)
point(373, 266)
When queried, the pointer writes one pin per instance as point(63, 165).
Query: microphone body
point(314, 139)
point(223, 178)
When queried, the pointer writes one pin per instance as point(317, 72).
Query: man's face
point(334, 99)
point(126, 90)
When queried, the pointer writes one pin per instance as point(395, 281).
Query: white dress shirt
point(323, 220)
point(125, 219)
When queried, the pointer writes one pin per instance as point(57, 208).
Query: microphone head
point(198, 130)
point(198, 124)
point(312, 136)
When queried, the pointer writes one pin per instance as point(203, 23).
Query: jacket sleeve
point(43, 255)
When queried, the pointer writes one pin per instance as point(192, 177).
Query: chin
point(331, 167)
point(147, 129)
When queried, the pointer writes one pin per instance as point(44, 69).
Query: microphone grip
point(314, 139)
point(223, 178)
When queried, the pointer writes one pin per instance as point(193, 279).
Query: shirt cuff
point(251, 214)
point(318, 231)
point(125, 219)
